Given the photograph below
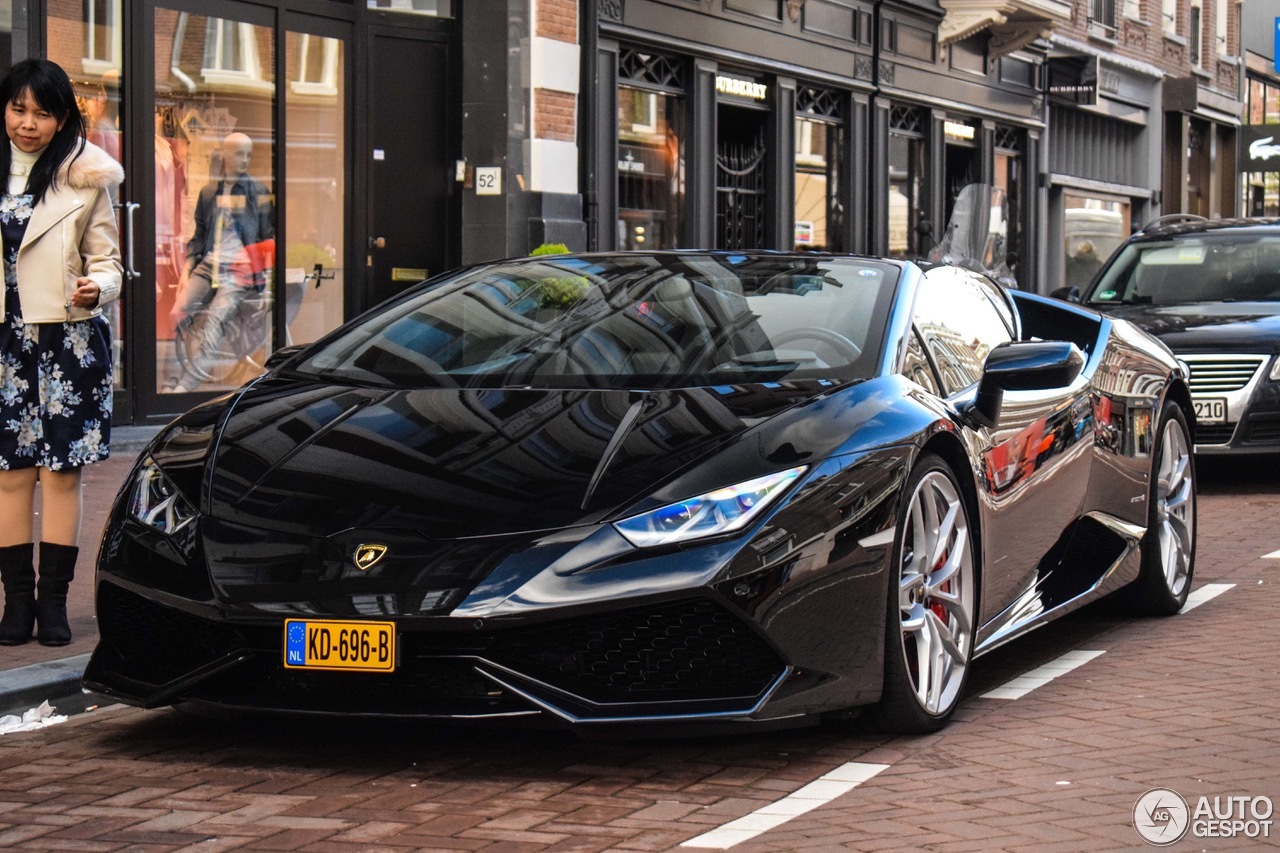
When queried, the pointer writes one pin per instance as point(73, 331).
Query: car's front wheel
point(1169, 546)
point(930, 624)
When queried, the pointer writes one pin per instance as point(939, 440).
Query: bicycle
point(244, 339)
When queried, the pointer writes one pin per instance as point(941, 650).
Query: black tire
point(930, 614)
point(1169, 546)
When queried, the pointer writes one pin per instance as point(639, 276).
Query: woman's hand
point(87, 293)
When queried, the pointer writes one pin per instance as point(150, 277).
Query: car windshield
point(1227, 267)
point(631, 321)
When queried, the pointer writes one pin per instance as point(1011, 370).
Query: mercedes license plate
point(332, 644)
point(1212, 411)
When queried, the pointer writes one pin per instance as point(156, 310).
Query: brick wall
point(1142, 38)
point(557, 19)
point(555, 112)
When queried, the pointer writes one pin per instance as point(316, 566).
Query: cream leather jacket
point(72, 233)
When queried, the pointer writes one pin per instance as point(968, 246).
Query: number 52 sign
point(488, 180)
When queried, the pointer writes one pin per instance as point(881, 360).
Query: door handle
point(377, 242)
point(130, 270)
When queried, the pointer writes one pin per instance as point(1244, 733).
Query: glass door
point(233, 210)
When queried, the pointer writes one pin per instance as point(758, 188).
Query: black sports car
point(652, 487)
point(1210, 290)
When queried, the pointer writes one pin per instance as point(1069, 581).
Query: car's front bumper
point(1241, 384)
point(687, 658)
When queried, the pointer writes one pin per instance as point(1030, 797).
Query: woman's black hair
point(50, 87)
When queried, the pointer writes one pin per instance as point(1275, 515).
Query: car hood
point(1208, 326)
point(450, 464)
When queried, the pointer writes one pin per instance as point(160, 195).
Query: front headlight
point(721, 511)
point(157, 503)
point(1274, 375)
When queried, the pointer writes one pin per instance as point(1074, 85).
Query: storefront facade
point(847, 126)
point(172, 87)
point(1105, 156)
point(1260, 135)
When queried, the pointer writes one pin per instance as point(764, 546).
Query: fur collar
point(93, 168)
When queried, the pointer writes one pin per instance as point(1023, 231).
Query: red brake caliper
point(936, 607)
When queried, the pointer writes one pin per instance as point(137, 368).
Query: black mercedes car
point(651, 488)
point(1210, 289)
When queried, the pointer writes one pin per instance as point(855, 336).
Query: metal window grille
point(651, 69)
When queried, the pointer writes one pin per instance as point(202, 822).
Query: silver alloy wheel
point(935, 593)
point(1175, 498)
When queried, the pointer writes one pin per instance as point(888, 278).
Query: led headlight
point(721, 511)
point(157, 503)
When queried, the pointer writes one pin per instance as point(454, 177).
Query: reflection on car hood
point(323, 458)
point(1208, 326)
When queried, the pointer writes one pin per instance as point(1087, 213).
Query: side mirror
point(282, 355)
point(1023, 366)
point(1070, 293)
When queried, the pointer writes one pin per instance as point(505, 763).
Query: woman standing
point(61, 261)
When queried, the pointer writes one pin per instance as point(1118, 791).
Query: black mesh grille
point(156, 643)
point(684, 650)
point(1263, 429)
point(1214, 433)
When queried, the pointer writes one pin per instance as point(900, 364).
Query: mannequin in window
point(233, 219)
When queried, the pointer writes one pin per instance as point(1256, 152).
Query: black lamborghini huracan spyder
point(651, 488)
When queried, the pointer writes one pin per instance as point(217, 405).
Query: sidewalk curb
point(28, 686)
point(131, 439)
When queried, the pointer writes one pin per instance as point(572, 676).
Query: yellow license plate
point(332, 644)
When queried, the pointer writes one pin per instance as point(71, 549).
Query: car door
point(1034, 473)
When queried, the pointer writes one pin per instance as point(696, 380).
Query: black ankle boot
point(19, 594)
point(57, 568)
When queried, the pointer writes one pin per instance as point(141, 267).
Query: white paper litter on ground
point(35, 718)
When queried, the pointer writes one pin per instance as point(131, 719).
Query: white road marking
point(821, 791)
point(1205, 593)
point(1041, 675)
point(1274, 555)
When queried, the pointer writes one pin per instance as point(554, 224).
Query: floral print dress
point(55, 378)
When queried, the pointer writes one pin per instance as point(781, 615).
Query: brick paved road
point(1190, 703)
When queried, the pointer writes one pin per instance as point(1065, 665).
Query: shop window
point(1263, 193)
point(1093, 227)
point(819, 212)
point(1009, 177)
point(101, 36)
point(650, 169)
point(907, 201)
